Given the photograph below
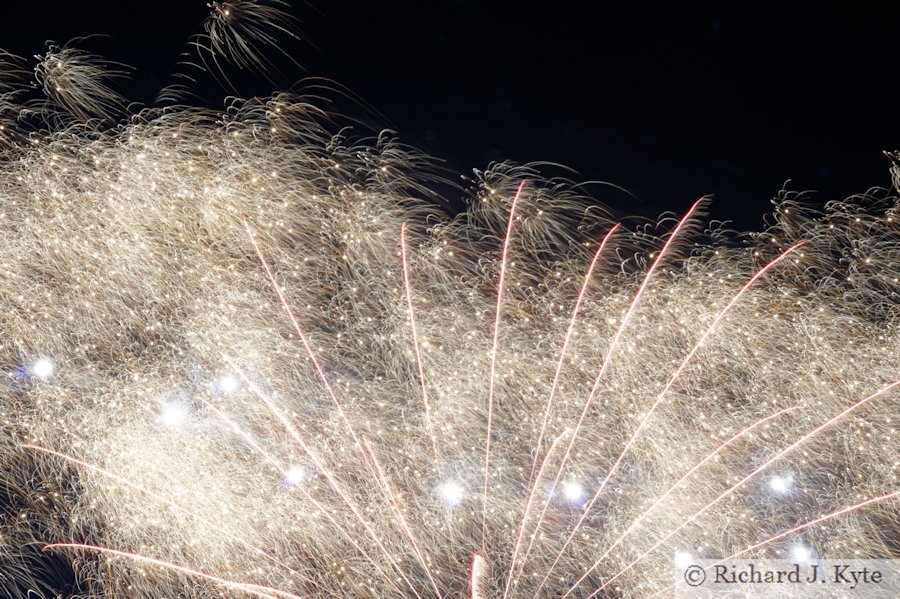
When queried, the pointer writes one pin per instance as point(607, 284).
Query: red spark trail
point(269, 458)
point(124, 481)
point(663, 393)
point(540, 474)
point(770, 461)
point(415, 336)
point(309, 350)
point(537, 448)
point(395, 505)
point(662, 497)
point(253, 589)
point(819, 520)
point(606, 361)
point(490, 406)
point(322, 469)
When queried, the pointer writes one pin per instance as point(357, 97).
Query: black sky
point(670, 103)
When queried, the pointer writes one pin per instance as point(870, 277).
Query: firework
point(247, 354)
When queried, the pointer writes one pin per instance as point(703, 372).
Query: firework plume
point(248, 354)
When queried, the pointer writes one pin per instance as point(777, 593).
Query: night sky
point(670, 103)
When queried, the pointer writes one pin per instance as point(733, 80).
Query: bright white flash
point(173, 414)
point(451, 493)
point(43, 368)
point(683, 559)
point(227, 384)
point(780, 484)
point(295, 475)
point(573, 491)
point(801, 553)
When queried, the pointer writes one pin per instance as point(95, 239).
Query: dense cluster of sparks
point(246, 354)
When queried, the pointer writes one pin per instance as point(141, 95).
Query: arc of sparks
point(759, 469)
point(798, 528)
point(537, 448)
point(415, 336)
point(395, 505)
point(490, 406)
point(246, 587)
point(127, 483)
point(677, 483)
point(274, 462)
point(662, 395)
point(320, 466)
point(604, 366)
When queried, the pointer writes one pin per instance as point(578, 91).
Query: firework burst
point(246, 354)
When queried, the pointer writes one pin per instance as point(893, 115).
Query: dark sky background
point(670, 103)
